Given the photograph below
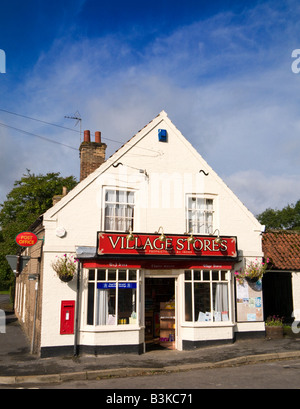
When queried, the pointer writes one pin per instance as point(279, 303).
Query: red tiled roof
point(283, 249)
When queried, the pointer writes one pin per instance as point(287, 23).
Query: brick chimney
point(92, 154)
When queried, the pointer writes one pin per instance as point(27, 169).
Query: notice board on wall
point(249, 304)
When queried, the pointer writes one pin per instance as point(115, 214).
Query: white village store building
point(156, 287)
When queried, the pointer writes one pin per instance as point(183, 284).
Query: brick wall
point(92, 154)
point(25, 292)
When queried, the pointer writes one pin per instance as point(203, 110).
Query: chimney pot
point(86, 136)
point(98, 137)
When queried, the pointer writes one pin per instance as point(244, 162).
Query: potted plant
point(274, 327)
point(253, 272)
point(65, 267)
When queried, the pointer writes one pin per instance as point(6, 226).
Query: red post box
point(67, 317)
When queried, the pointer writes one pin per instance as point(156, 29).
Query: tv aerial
point(78, 119)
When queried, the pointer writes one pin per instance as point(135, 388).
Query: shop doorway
point(160, 322)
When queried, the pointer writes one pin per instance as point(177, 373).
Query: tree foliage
point(31, 196)
point(287, 218)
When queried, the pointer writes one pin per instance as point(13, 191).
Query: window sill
point(111, 328)
point(203, 324)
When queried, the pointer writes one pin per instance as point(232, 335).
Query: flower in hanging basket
point(65, 267)
point(252, 272)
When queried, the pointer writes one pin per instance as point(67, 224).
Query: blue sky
point(220, 69)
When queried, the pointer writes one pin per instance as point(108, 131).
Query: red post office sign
point(174, 245)
point(26, 239)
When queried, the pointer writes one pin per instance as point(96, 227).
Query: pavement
point(19, 366)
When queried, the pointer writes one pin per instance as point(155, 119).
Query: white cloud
point(259, 191)
point(226, 83)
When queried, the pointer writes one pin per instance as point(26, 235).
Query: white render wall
point(54, 291)
point(171, 172)
point(296, 294)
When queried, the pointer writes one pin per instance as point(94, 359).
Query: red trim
point(158, 265)
point(110, 264)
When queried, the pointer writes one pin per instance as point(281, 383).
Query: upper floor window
point(119, 210)
point(199, 215)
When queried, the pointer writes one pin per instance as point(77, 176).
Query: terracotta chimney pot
point(98, 137)
point(86, 136)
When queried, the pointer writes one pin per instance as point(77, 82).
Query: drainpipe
point(75, 352)
point(35, 306)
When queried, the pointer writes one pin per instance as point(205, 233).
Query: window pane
point(223, 275)
point(101, 274)
point(127, 306)
point(188, 302)
point(201, 203)
point(130, 197)
point(208, 222)
point(206, 275)
point(215, 275)
point(91, 275)
point(111, 275)
point(209, 204)
point(192, 203)
point(220, 295)
point(197, 275)
point(190, 222)
point(188, 275)
point(202, 302)
point(132, 275)
point(106, 307)
point(122, 275)
point(109, 217)
point(110, 196)
point(90, 306)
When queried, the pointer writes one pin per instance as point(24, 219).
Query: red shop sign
point(174, 245)
point(26, 239)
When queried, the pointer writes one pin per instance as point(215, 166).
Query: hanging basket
point(66, 278)
point(252, 280)
point(253, 272)
point(65, 267)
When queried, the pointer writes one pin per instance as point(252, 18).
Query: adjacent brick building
point(281, 284)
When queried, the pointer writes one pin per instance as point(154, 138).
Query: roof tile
point(283, 249)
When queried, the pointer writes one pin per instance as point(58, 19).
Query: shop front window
point(206, 296)
point(112, 296)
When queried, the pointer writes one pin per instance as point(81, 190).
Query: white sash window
point(119, 210)
point(199, 215)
